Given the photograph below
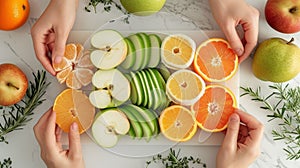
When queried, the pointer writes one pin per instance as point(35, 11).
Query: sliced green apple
point(134, 123)
point(144, 87)
point(108, 126)
point(115, 83)
point(154, 88)
point(100, 99)
point(131, 55)
point(110, 49)
point(147, 89)
point(139, 45)
point(147, 48)
point(155, 50)
point(139, 88)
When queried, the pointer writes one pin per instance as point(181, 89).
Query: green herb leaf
point(6, 163)
point(16, 116)
point(285, 107)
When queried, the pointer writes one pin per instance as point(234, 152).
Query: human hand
point(48, 135)
point(231, 13)
point(50, 32)
point(241, 145)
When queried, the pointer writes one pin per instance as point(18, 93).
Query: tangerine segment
point(73, 106)
point(214, 108)
point(215, 61)
point(178, 51)
point(177, 123)
point(185, 87)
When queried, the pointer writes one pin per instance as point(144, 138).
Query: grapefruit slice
point(214, 108)
point(215, 61)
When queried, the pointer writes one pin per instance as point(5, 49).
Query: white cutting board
point(160, 143)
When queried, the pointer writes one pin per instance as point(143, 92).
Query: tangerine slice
point(73, 106)
point(178, 51)
point(215, 61)
point(177, 123)
point(72, 81)
point(185, 87)
point(214, 108)
point(62, 75)
point(70, 52)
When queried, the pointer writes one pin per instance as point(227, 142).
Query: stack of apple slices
point(148, 89)
point(143, 51)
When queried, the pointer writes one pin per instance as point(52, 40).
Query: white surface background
point(16, 47)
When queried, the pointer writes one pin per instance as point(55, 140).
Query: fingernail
point(238, 51)
point(58, 60)
point(74, 126)
point(234, 118)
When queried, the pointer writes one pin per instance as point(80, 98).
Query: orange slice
point(215, 61)
point(178, 51)
point(185, 87)
point(214, 108)
point(75, 68)
point(177, 123)
point(73, 106)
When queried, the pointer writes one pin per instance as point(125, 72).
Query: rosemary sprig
point(6, 163)
point(174, 161)
point(16, 116)
point(107, 4)
point(285, 107)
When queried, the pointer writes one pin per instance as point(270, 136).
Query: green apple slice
point(147, 48)
point(115, 83)
point(110, 49)
point(139, 89)
point(164, 71)
point(131, 55)
point(139, 45)
point(155, 50)
point(153, 115)
point(107, 127)
point(154, 88)
point(144, 88)
point(147, 89)
point(160, 85)
point(147, 133)
point(134, 123)
point(100, 99)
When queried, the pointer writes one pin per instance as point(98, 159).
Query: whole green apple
point(143, 7)
point(276, 60)
point(283, 15)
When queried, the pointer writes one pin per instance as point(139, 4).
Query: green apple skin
point(13, 84)
point(283, 15)
point(142, 7)
point(276, 60)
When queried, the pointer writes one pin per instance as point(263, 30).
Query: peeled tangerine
point(75, 69)
point(276, 60)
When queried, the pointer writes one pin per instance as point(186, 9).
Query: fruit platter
point(147, 87)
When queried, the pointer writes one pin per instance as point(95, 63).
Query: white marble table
point(17, 46)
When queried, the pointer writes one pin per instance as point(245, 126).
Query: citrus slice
point(73, 106)
point(178, 51)
point(215, 61)
point(185, 87)
point(75, 68)
point(214, 108)
point(177, 123)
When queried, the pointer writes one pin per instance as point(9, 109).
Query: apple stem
point(11, 85)
point(290, 41)
point(293, 9)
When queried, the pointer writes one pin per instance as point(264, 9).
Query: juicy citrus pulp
point(214, 108)
point(215, 61)
point(178, 51)
point(75, 68)
point(185, 87)
point(73, 106)
point(177, 123)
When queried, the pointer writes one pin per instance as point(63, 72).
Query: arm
point(231, 13)
point(50, 32)
point(48, 135)
point(241, 145)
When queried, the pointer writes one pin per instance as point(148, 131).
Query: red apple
point(13, 84)
point(283, 15)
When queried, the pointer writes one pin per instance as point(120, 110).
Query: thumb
point(230, 140)
point(74, 141)
point(234, 40)
point(59, 46)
